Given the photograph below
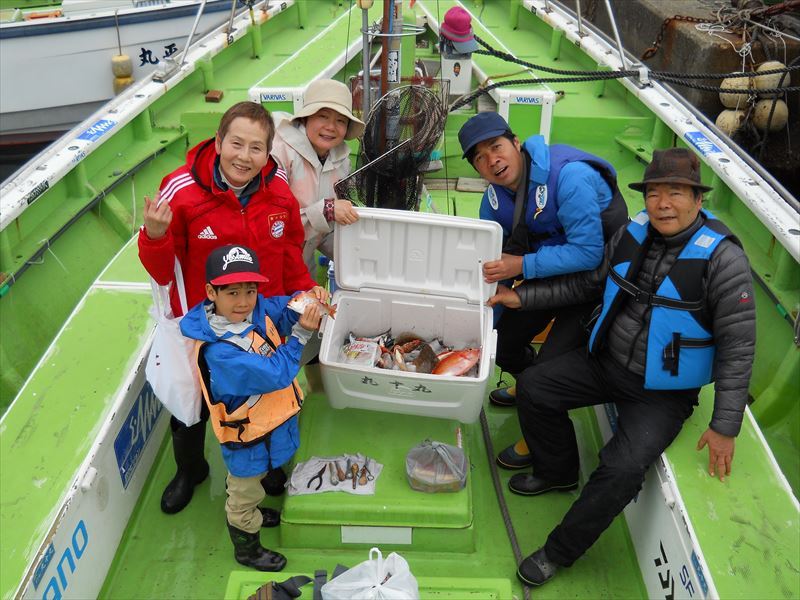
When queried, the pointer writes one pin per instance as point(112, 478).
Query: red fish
point(457, 362)
point(298, 304)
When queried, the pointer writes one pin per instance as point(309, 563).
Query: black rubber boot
point(248, 551)
point(274, 482)
point(187, 446)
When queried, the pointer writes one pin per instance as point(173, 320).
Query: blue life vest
point(538, 224)
point(680, 347)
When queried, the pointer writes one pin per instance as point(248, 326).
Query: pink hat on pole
point(457, 27)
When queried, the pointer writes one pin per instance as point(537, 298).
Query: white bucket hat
point(329, 93)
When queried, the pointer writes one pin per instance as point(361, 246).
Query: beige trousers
point(241, 507)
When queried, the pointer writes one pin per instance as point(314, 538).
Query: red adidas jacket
point(205, 217)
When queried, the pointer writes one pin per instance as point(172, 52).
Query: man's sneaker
point(536, 569)
point(516, 456)
point(270, 517)
point(505, 396)
point(526, 484)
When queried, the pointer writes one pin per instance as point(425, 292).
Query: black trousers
point(516, 329)
point(647, 422)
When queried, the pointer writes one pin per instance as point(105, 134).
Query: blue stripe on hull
point(14, 30)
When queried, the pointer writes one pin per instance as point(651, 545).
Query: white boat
point(56, 65)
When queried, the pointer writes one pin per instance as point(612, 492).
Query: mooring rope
point(501, 500)
point(682, 79)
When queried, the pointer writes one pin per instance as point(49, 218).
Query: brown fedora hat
point(673, 165)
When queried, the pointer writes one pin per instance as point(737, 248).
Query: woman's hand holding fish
point(311, 317)
point(320, 293)
point(344, 213)
point(157, 217)
point(508, 267)
point(505, 296)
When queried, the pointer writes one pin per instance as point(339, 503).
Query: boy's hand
point(321, 294)
point(156, 218)
point(311, 317)
point(344, 213)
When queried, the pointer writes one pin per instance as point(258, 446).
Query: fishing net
point(403, 128)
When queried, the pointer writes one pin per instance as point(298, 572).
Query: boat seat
point(396, 514)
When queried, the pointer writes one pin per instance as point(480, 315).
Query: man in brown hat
point(677, 313)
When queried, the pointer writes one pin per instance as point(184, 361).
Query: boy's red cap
point(233, 264)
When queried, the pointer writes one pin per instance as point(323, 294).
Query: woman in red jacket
point(229, 192)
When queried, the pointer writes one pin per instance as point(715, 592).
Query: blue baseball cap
point(483, 126)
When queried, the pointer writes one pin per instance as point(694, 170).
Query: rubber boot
point(248, 551)
point(187, 445)
point(274, 482)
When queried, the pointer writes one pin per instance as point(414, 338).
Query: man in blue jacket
point(558, 206)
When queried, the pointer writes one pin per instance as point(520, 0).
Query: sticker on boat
point(37, 191)
point(135, 432)
point(98, 130)
point(702, 143)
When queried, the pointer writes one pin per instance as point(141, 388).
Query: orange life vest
point(255, 419)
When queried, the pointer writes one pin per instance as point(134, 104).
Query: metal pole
point(387, 8)
point(116, 24)
point(194, 29)
point(230, 21)
point(580, 22)
point(365, 65)
point(616, 35)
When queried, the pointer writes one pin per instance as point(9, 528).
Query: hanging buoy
point(779, 116)
point(120, 83)
point(735, 83)
point(122, 65)
point(765, 82)
point(729, 121)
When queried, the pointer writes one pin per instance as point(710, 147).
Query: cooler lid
point(423, 253)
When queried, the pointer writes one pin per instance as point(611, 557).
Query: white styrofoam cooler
point(419, 273)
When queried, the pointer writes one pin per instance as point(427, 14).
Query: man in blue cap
point(557, 206)
point(677, 313)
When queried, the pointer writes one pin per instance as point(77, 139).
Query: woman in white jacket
point(310, 146)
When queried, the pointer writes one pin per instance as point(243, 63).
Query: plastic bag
point(170, 365)
point(374, 579)
point(436, 467)
point(361, 353)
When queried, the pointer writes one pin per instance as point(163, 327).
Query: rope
point(682, 79)
point(611, 75)
point(346, 46)
point(731, 20)
point(501, 500)
point(629, 73)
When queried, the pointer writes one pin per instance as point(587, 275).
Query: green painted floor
point(189, 555)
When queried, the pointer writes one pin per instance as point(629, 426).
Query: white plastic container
point(419, 273)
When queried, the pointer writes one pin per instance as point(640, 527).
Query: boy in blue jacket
point(248, 380)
